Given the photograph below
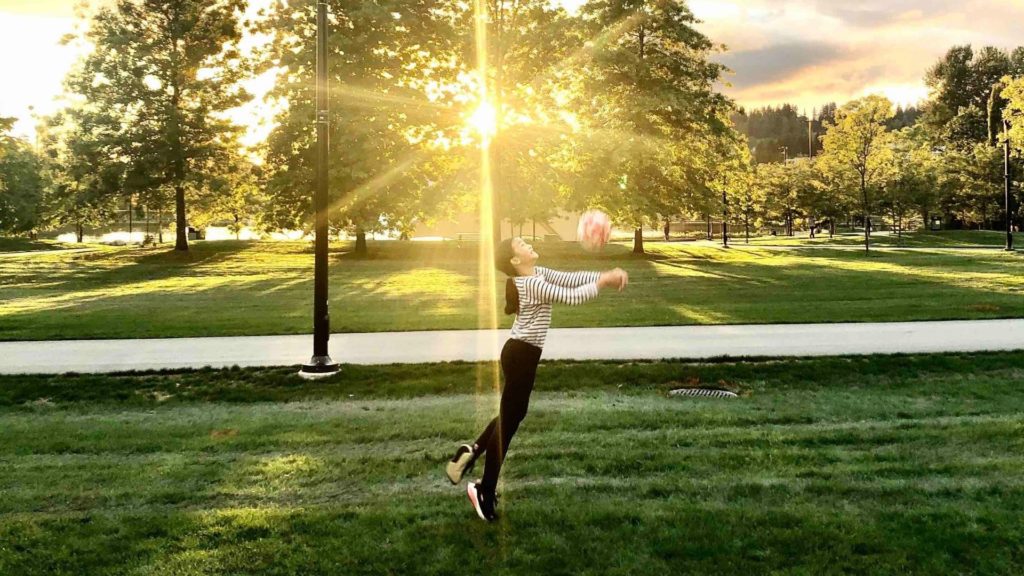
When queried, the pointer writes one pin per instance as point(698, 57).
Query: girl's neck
point(526, 271)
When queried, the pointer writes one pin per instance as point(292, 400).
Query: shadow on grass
point(249, 288)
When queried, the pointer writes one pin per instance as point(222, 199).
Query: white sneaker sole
point(471, 492)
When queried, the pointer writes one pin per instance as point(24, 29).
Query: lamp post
point(320, 364)
point(725, 220)
point(1009, 183)
point(810, 137)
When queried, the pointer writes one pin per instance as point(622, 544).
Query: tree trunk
point(832, 228)
point(360, 242)
point(238, 229)
point(746, 226)
point(131, 221)
point(80, 232)
point(638, 240)
point(181, 234)
point(160, 225)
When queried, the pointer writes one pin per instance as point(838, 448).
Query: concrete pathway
point(692, 342)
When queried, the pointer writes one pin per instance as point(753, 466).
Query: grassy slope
point(922, 239)
point(871, 466)
point(26, 245)
point(231, 288)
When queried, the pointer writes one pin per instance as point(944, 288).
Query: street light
point(725, 220)
point(321, 364)
point(1009, 183)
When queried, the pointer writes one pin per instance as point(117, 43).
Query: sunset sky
point(806, 52)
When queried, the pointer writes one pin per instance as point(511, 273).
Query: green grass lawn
point(249, 288)
point(10, 245)
point(897, 465)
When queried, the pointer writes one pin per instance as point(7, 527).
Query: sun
point(485, 120)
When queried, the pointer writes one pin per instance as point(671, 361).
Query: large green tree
point(649, 96)
point(959, 111)
point(157, 84)
point(859, 142)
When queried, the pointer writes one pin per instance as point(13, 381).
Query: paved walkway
point(693, 342)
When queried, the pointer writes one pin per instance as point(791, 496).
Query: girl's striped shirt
point(538, 292)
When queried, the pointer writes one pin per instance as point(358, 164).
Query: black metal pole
point(725, 220)
point(321, 363)
point(1009, 185)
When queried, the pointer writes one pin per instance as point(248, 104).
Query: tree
point(651, 85)
point(859, 142)
point(161, 76)
point(782, 186)
point(83, 182)
point(973, 184)
point(961, 84)
point(21, 182)
point(732, 184)
point(913, 183)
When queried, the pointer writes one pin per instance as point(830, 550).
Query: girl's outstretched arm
point(567, 279)
point(540, 290)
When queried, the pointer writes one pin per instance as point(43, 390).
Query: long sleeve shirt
point(538, 292)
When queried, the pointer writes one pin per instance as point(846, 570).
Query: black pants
point(519, 366)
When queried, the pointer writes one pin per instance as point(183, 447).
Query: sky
point(804, 52)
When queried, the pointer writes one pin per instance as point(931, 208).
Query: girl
point(529, 293)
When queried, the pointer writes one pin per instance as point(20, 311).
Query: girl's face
point(525, 253)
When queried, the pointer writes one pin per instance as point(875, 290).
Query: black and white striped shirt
point(538, 292)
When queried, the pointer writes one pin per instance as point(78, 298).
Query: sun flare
point(485, 120)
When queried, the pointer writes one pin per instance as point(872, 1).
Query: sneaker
point(461, 463)
point(483, 502)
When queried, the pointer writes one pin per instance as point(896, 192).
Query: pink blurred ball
point(594, 231)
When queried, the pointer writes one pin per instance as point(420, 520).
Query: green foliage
point(84, 182)
point(963, 83)
point(1014, 95)
point(973, 183)
point(913, 185)
point(21, 182)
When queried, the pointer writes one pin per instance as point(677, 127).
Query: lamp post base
point(319, 367)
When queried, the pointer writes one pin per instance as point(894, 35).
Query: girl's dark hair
point(503, 255)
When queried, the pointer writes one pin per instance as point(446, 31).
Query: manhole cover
point(702, 393)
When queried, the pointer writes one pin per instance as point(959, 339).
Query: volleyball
point(594, 231)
